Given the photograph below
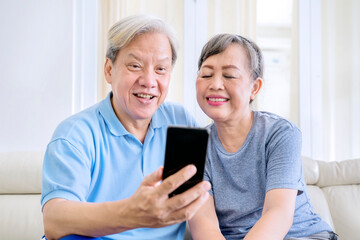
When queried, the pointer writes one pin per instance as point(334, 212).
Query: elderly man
point(103, 166)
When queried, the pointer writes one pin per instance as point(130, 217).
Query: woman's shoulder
point(272, 120)
point(275, 127)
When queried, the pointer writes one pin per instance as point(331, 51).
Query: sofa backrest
point(334, 191)
point(20, 190)
point(333, 188)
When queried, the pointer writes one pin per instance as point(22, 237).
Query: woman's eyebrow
point(207, 66)
point(230, 66)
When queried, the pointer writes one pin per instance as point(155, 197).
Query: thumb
point(154, 178)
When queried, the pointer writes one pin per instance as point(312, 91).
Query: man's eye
point(161, 70)
point(134, 66)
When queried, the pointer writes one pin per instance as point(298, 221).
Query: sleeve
point(66, 172)
point(284, 168)
point(207, 175)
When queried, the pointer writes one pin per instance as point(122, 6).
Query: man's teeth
point(218, 99)
point(145, 96)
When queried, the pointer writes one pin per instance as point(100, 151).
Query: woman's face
point(224, 85)
point(140, 76)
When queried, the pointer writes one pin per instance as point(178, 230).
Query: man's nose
point(148, 79)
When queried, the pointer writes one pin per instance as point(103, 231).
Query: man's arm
point(205, 224)
point(277, 215)
point(149, 206)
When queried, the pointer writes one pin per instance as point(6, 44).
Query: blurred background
point(52, 56)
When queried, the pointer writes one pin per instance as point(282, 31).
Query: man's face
point(140, 76)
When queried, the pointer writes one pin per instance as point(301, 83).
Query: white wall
point(35, 71)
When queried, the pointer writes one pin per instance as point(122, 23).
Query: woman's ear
point(108, 67)
point(257, 84)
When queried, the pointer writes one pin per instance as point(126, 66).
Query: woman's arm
point(205, 224)
point(277, 215)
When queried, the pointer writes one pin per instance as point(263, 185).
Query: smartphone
point(184, 146)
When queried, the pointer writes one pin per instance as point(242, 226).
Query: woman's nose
point(217, 83)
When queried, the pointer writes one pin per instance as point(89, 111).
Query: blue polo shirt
point(93, 158)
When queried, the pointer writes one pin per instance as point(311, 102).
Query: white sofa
point(333, 187)
point(334, 191)
point(20, 189)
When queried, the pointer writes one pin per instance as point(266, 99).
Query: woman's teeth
point(217, 99)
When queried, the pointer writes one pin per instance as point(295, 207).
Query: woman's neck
point(232, 134)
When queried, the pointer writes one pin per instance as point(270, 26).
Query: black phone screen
point(184, 146)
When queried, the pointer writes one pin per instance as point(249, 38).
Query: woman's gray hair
point(123, 31)
point(220, 42)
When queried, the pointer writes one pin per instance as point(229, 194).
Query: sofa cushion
point(344, 204)
point(311, 170)
point(321, 207)
point(21, 217)
point(20, 172)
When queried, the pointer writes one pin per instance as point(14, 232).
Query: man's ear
point(108, 70)
point(256, 88)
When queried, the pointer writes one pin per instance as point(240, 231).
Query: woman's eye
point(228, 76)
point(205, 76)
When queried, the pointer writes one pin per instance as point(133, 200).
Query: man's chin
point(145, 115)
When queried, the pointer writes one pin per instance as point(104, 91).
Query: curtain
point(341, 79)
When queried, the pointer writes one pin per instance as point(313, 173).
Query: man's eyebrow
point(165, 58)
point(134, 56)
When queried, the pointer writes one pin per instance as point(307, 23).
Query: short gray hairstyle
point(123, 31)
point(220, 42)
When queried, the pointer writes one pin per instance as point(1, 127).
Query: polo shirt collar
point(111, 120)
point(158, 120)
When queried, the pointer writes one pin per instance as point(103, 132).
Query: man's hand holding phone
point(173, 194)
point(152, 204)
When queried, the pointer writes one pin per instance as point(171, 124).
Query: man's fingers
point(177, 179)
point(154, 178)
point(187, 197)
point(189, 211)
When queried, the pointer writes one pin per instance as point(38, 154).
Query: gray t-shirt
point(270, 158)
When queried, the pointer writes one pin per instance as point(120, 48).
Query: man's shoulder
point(81, 123)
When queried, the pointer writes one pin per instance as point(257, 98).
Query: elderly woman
point(254, 163)
point(95, 165)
